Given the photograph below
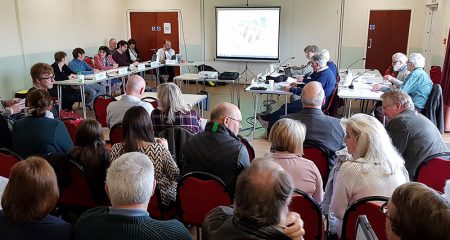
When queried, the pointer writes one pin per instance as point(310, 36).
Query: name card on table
point(141, 66)
point(154, 64)
point(171, 61)
point(123, 70)
point(100, 75)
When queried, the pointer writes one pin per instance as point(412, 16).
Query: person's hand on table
point(388, 78)
point(115, 65)
point(287, 88)
point(299, 78)
point(293, 226)
point(96, 71)
point(72, 76)
point(377, 87)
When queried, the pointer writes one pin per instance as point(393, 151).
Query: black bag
point(229, 76)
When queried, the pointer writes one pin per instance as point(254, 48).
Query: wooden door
point(388, 33)
point(147, 28)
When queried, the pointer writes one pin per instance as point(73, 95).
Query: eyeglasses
point(384, 209)
point(239, 121)
point(47, 78)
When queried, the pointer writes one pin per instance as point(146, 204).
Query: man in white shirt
point(163, 54)
point(133, 93)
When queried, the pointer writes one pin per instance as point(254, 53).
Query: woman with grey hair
point(173, 111)
point(400, 69)
point(375, 169)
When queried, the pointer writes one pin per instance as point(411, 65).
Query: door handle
point(370, 43)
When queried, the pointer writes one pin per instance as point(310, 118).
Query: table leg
point(255, 104)
point(349, 107)
point(83, 100)
point(59, 89)
point(238, 95)
point(110, 87)
point(285, 104)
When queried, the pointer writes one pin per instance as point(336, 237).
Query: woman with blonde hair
point(29, 197)
point(173, 111)
point(375, 169)
point(287, 137)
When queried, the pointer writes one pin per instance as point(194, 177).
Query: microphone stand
point(346, 71)
point(351, 86)
point(268, 75)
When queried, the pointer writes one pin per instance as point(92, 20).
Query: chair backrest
point(319, 156)
point(310, 212)
point(249, 147)
point(434, 171)
point(153, 101)
point(71, 126)
point(7, 160)
point(198, 193)
point(115, 134)
point(436, 74)
point(332, 106)
point(369, 206)
point(176, 138)
point(77, 193)
point(100, 105)
point(5, 132)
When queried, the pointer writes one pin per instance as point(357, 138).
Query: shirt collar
point(130, 212)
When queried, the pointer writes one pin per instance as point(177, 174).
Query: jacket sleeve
point(243, 158)
point(399, 135)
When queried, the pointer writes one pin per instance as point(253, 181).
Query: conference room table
point(234, 84)
point(190, 99)
point(363, 81)
point(277, 90)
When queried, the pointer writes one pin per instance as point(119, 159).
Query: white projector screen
point(247, 34)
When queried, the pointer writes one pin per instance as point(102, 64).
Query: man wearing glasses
point(43, 78)
point(218, 150)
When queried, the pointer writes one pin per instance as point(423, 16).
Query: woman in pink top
point(287, 137)
point(103, 60)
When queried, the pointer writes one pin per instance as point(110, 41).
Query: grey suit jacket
point(416, 138)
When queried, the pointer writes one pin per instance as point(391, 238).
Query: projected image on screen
point(247, 33)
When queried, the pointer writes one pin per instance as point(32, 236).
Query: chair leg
point(198, 233)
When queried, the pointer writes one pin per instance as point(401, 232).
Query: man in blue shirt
point(78, 65)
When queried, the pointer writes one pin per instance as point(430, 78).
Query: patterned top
point(166, 170)
point(189, 121)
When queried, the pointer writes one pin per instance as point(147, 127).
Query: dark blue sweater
point(325, 77)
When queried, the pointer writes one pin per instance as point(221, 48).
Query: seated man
point(414, 135)
point(133, 93)
point(416, 211)
point(321, 74)
point(331, 65)
point(121, 55)
point(129, 184)
point(320, 128)
point(305, 69)
point(112, 46)
point(164, 53)
point(218, 150)
point(261, 207)
point(79, 66)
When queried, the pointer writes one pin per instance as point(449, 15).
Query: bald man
point(218, 150)
point(320, 128)
point(134, 90)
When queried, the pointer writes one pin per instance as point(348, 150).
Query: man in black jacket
point(218, 150)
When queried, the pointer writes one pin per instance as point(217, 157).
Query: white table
point(362, 87)
point(234, 90)
point(184, 64)
point(278, 90)
point(190, 99)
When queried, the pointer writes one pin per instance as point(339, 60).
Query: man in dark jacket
point(414, 135)
point(218, 150)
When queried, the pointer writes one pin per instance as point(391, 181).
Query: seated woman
point(287, 137)
point(103, 61)
point(173, 111)
point(38, 133)
point(138, 137)
point(132, 51)
point(30, 195)
point(90, 152)
point(376, 168)
point(63, 72)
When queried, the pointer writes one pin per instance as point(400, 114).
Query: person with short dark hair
point(415, 212)
point(218, 150)
point(46, 135)
point(261, 207)
point(103, 60)
point(29, 197)
point(63, 72)
point(121, 55)
point(130, 183)
point(137, 132)
point(90, 152)
point(132, 51)
point(78, 65)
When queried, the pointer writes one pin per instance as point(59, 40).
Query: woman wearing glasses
point(376, 168)
point(173, 111)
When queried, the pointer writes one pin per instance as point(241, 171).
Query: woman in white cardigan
point(376, 168)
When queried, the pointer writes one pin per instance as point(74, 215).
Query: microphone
point(361, 59)
point(268, 77)
point(351, 86)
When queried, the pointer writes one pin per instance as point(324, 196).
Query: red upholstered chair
point(7, 160)
point(115, 134)
point(100, 104)
point(369, 206)
point(436, 74)
point(319, 155)
point(157, 210)
point(71, 126)
point(76, 195)
point(434, 171)
point(249, 147)
point(333, 104)
point(153, 101)
point(310, 213)
point(198, 193)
